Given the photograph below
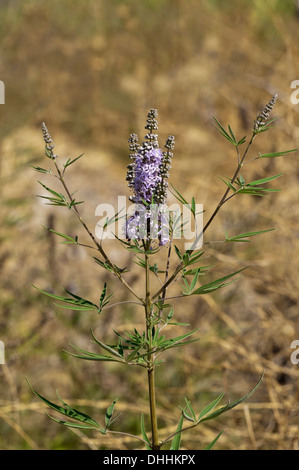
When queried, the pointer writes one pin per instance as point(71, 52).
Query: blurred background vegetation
point(91, 70)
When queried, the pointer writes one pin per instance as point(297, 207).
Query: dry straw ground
point(92, 70)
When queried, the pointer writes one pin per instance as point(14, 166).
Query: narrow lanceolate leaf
point(276, 154)
point(228, 183)
point(209, 407)
point(75, 303)
point(69, 240)
point(71, 425)
point(41, 170)
point(109, 419)
point(103, 264)
point(54, 193)
point(209, 447)
point(103, 299)
point(257, 191)
point(189, 288)
point(176, 442)
point(106, 347)
point(70, 162)
point(230, 137)
point(70, 412)
point(90, 356)
point(243, 236)
point(193, 206)
point(188, 412)
point(194, 257)
point(263, 180)
point(177, 341)
point(144, 435)
point(266, 127)
point(58, 200)
point(178, 196)
point(178, 252)
point(215, 285)
point(229, 406)
point(201, 270)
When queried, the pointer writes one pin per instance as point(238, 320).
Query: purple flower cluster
point(147, 175)
point(147, 178)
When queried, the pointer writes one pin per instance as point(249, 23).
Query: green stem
point(151, 367)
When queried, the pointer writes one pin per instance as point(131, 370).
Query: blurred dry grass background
point(91, 70)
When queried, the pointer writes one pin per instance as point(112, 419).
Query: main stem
point(151, 367)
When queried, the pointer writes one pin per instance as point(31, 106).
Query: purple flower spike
point(147, 178)
point(147, 175)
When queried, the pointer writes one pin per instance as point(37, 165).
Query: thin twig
point(127, 434)
point(123, 302)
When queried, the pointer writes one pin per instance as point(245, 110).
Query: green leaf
point(215, 285)
point(41, 170)
point(242, 237)
point(275, 154)
point(59, 196)
point(77, 303)
point(104, 301)
point(68, 411)
point(193, 206)
point(266, 127)
point(210, 407)
point(69, 239)
point(209, 447)
point(178, 196)
point(263, 180)
point(190, 417)
point(70, 162)
point(194, 281)
point(229, 406)
point(242, 141)
point(176, 442)
point(103, 264)
point(89, 356)
point(106, 347)
point(178, 252)
point(109, 420)
point(201, 270)
point(177, 341)
point(69, 424)
point(186, 258)
point(144, 435)
point(241, 179)
point(231, 133)
point(228, 183)
point(194, 257)
point(170, 315)
point(231, 138)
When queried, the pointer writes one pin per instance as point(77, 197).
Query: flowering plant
point(147, 231)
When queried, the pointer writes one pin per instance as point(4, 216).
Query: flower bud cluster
point(49, 142)
point(263, 116)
